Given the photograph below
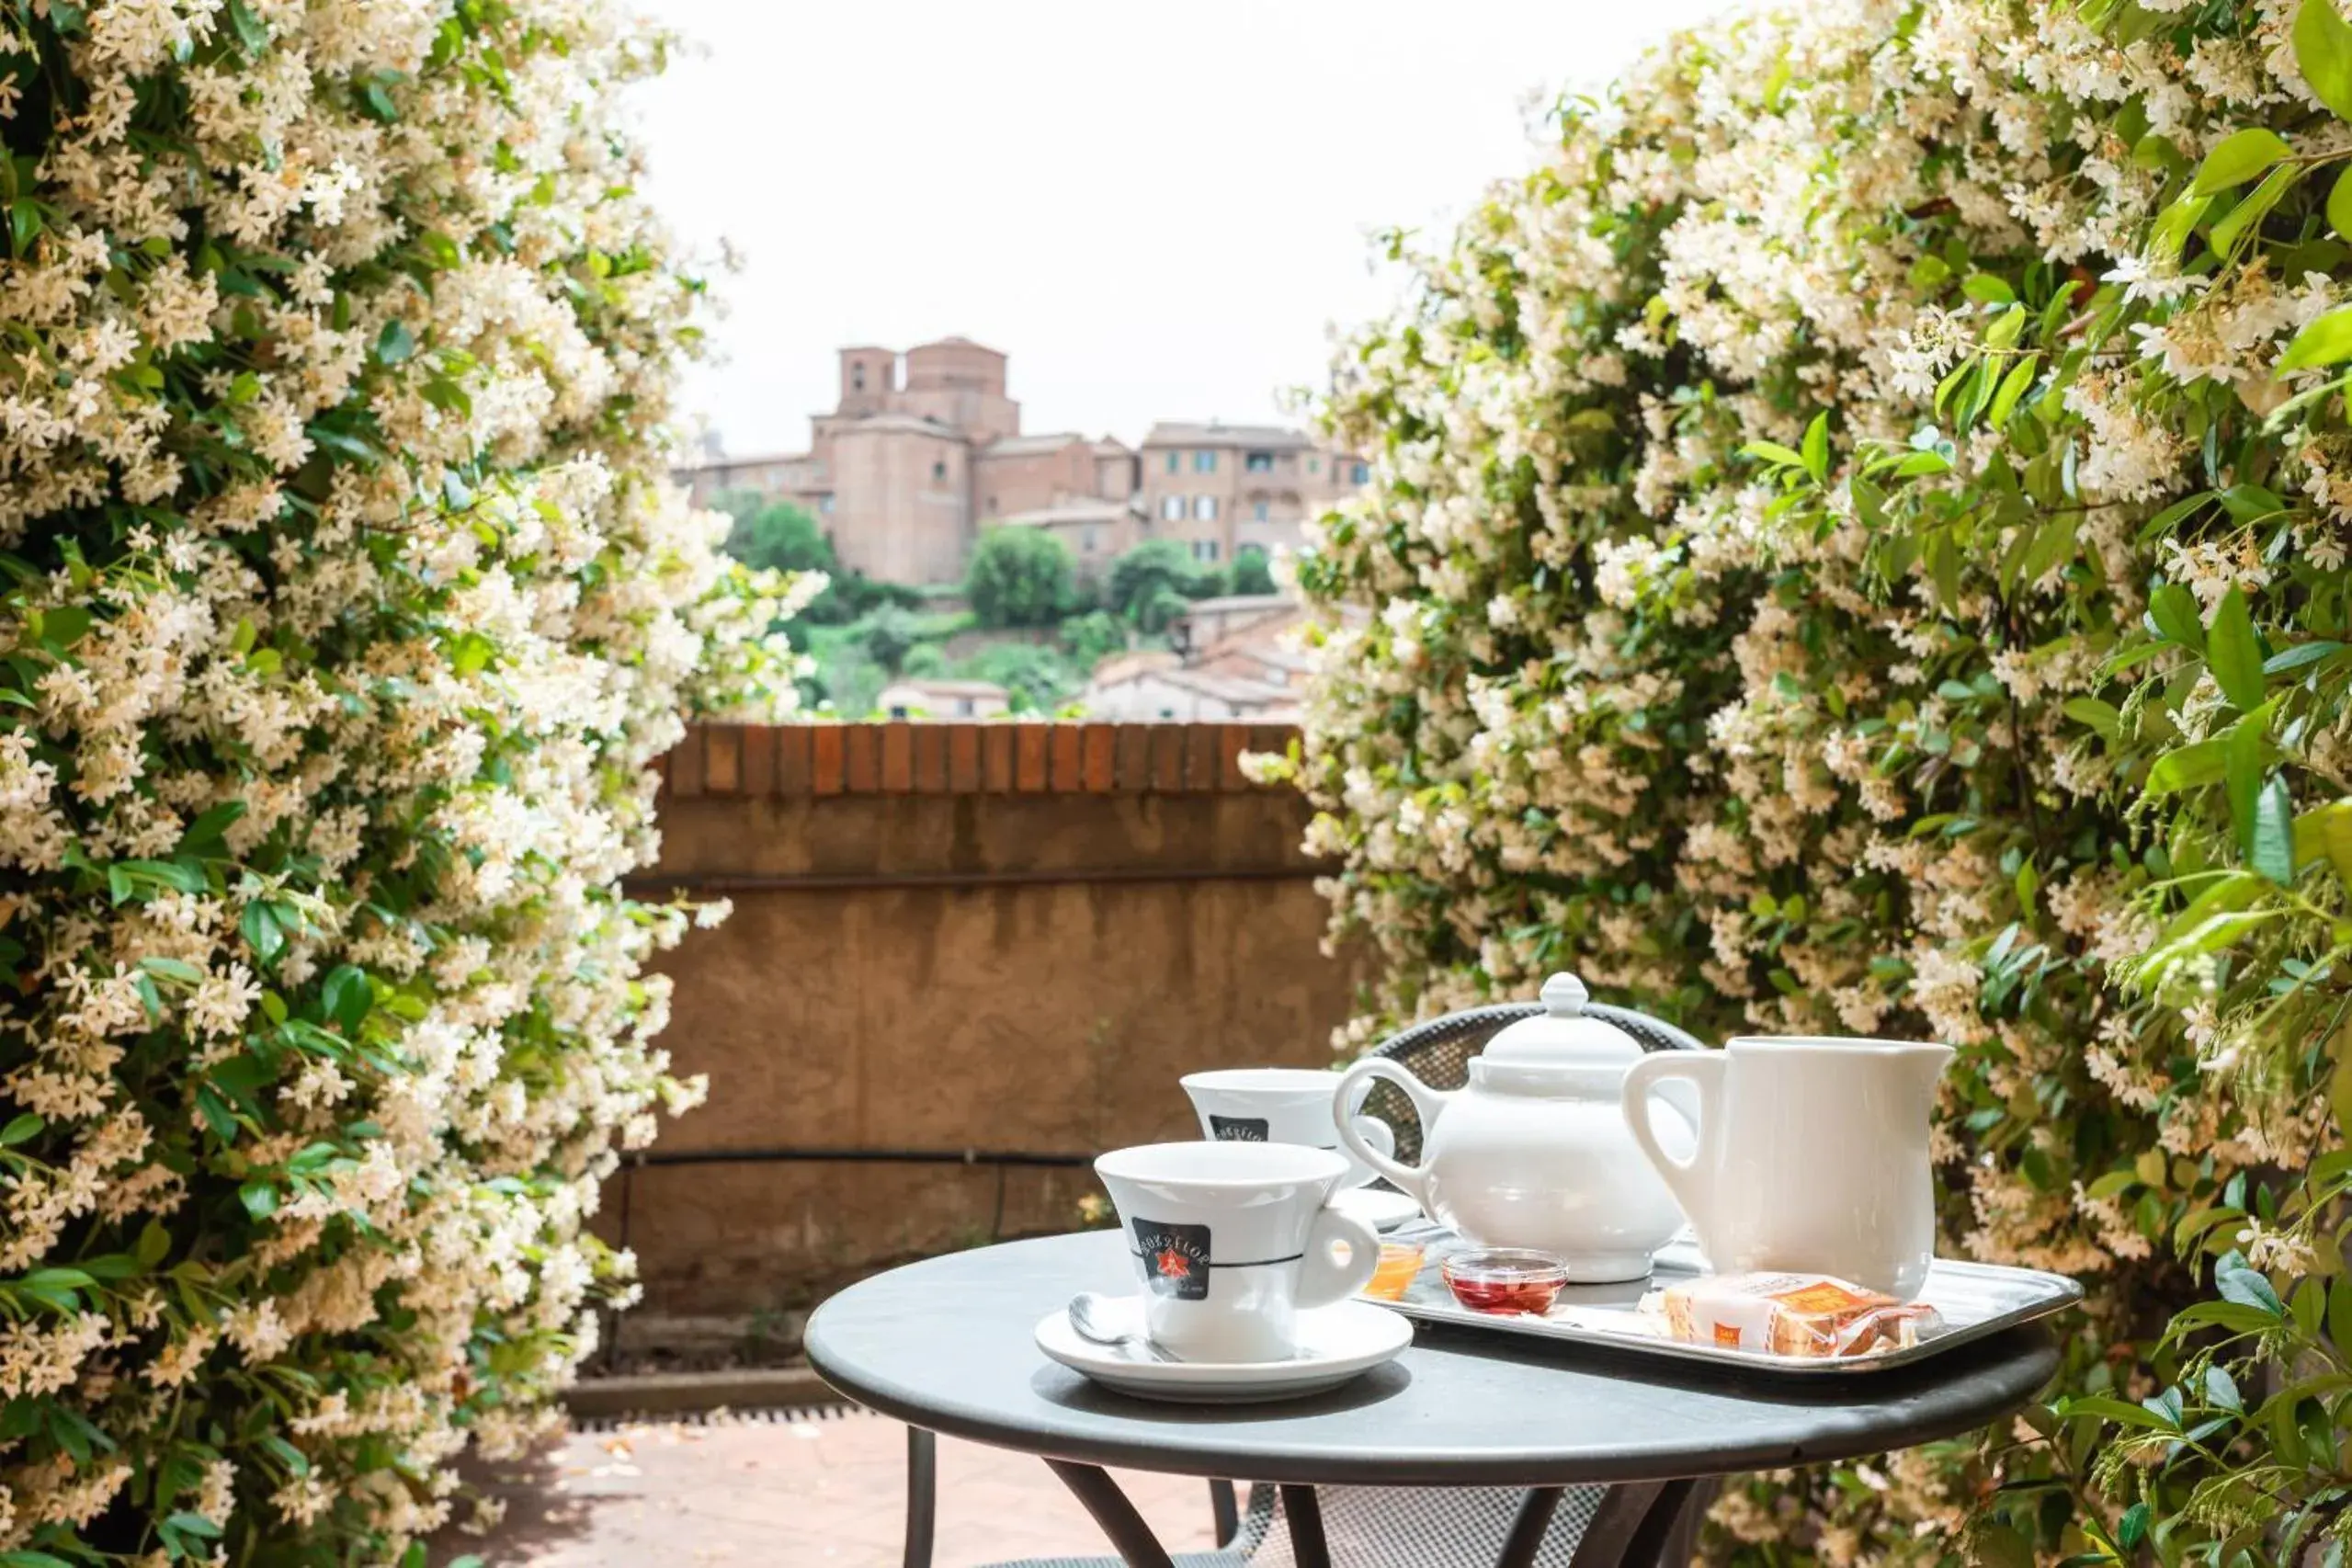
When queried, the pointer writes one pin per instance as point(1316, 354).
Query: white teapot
point(1535, 1151)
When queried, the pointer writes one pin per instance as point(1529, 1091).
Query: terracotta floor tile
point(826, 1491)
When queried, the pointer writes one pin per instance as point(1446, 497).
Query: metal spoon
point(1089, 1312)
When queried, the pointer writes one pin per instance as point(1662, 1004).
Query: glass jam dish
point(1400, 1265)
point(1504, 1279)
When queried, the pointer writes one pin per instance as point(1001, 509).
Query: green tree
point(1253, 572)
point(1033, 675)
point(1087, 639)
point(1152, 583)
point(770, 532)
point(1020, 577)
point(888, 636)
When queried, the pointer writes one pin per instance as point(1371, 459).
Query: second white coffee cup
point(1282, 1105)
point(1229, 1239)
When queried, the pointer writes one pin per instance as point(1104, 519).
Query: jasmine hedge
point(342, 607)
point(1856, 545)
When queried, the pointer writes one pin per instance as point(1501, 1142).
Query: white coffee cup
point(1229, 1239)
point(1282, 1105)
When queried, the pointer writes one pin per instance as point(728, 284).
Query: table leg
point(922, 1495)
point(1304, 1510)
point(1129, 1536)
point(1526, 1531)
point(1634, 1525)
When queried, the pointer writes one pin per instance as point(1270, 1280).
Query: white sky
point(1158, 210)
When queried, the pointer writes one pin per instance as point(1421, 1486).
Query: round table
point(947, 1345)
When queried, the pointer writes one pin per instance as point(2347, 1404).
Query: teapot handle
point(1691, 1181)
point(1427, 1104)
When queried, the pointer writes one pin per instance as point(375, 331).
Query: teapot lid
point(1563, 1036)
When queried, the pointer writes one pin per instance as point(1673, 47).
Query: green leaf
point(2171, 517)
point(347, 996)
point(2174, 610)
point(2246, 749)
point(2052, 543)
point(1815, 453)
point(2132, 1529)
point(2324, 833)
point(2247, 216)
point(24, 225)
point(2170, 232)
point(1773, 452)
point(2000, 1546)
point(1987, 289)
point(2339, 205)
point(2300, 655)
point(2232, 653)
point(259, 1197)
point(2326, 340)
point(1921, 463)
point(2103, 718)
point(2324, 55)
point(251, 34)
point(22, 1127)
point(2272, 848)
point(2186, 767)
point(2113, 1410)
point(64, 625)
point(2241, 155)
point(2013, 387)
point(207, 829)
point(2248, 1288)
point(396, 343)
point(180, 969)
point(261, 930)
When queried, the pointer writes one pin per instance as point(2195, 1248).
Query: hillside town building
point(923, 451)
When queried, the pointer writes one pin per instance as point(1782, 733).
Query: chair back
point(1438, 1052)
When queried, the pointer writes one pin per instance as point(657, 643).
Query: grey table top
point(947, 1344)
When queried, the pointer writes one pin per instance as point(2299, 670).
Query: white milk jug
point(1813, 1154)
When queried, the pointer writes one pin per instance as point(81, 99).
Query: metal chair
point(1373, 1527)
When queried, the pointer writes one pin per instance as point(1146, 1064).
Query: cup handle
point(1323, 1278)
point(1691, 1180)
point(1426, 1104)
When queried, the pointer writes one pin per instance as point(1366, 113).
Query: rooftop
point(1083, 509)
point(956, 342)
point(1178, 432)
point(914, 422)
point(1233, 604)
point(1017, 445)
point(945, 687)
point(1236, 689)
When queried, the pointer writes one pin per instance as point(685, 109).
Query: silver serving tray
point(1974, 1300)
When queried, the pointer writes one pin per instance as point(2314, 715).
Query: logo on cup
point(1238, 1129)
point(1176, 1259)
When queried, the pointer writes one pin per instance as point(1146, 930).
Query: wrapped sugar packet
point(1790, 1314)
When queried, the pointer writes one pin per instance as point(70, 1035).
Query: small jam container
point(1505, 1279)
point(1400, 1265)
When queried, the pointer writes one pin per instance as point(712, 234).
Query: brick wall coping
point(995, 757)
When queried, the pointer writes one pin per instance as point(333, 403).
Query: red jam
point(1504, 1279)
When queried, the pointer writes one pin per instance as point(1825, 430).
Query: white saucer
point(1336, 1343)
point(1377, 1207)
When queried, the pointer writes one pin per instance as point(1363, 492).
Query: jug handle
point(1428, 1103)
point(1689, 1180)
